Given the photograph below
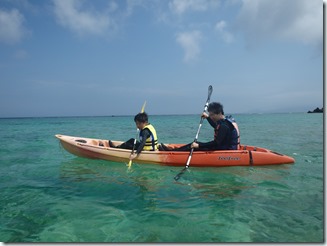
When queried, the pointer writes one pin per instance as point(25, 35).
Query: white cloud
point(190, 42)
point(299, 20)
point(132, 4)
point(182, 6)
point(221, 29)
point(70, 14)
point(11, 26)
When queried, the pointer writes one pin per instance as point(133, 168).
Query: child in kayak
point(148, 139)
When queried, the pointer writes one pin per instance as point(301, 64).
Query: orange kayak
point(245, 156)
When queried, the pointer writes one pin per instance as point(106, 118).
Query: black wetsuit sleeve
point(211, 122)
point(217, 142)
point(145, 134)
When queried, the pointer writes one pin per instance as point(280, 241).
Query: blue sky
point(106, 57)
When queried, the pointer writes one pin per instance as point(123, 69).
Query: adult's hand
point(194, 145)
point(204, 115)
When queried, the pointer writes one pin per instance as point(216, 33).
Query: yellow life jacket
point(151, 142)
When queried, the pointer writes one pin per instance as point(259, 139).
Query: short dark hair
point(141, 117)
point(216, 108)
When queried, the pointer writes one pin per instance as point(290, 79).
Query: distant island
point(317, 110)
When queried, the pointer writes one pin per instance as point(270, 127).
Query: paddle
point(137, 133)
point(196, 136)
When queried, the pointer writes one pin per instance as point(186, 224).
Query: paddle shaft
point(196, 136)
point(191, 153)
point(135, 139)
point(195, 140)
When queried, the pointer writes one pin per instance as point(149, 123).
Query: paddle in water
point(196, 136)
point(137, 134)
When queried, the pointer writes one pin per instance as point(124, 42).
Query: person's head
point(216, 111)
point(141, 120)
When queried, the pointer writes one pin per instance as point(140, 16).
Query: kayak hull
point(245, 156)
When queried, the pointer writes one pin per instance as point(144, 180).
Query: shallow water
point(49, 195)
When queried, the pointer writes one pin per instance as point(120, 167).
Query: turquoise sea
point(49, 195)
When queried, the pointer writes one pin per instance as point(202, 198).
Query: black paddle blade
point(180, 174)
point(210, 89)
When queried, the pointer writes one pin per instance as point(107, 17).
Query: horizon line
point(113, 115)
